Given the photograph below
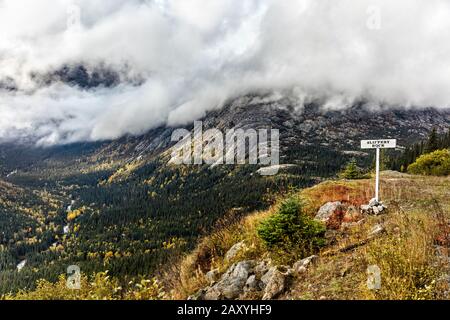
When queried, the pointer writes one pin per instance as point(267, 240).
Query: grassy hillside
point(412, 253)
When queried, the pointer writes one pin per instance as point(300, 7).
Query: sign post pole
point(377, 181)
point(378, 144)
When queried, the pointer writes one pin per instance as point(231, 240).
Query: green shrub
point(291, 232)
point(436, 163)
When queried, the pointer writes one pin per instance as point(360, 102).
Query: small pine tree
point(352, 171)
point(290, 232)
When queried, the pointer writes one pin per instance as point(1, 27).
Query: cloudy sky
point(192, 55)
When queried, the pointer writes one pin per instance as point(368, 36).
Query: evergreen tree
point(351, 171)
point(433, 142)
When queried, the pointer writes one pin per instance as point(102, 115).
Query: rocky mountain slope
point(118, 205)
point(306, 133)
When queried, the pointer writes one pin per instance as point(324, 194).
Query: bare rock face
point(232, 283)
point(252, 279)
point(332, 214)
point(211, 294)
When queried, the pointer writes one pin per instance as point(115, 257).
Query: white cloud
point(194, 54)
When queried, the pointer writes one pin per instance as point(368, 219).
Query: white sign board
point(379, 144)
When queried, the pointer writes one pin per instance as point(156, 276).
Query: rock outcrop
point(252, 278)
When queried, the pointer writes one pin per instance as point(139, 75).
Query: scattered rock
point(349, 225)
point(373, 208)
point(66, 229)
point(212, 294)
point(331, 213)
point(373, 202)
point(266, 277)
point(299, 269)
point(21, 265)
point(235, 250)
point(267, 171)
point(301, 266)
point(376, 231)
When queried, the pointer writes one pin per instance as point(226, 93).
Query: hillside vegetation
point(412, 251)
point(436, 163)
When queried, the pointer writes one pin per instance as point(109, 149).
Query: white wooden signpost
point(378, 144)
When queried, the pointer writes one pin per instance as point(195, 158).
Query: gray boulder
point(266, 277)
point(235, 250)
point(232, 283)
point(328, 210)
point(211, 293)
point(275, 283)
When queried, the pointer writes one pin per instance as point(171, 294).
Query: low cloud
point(190, 56)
